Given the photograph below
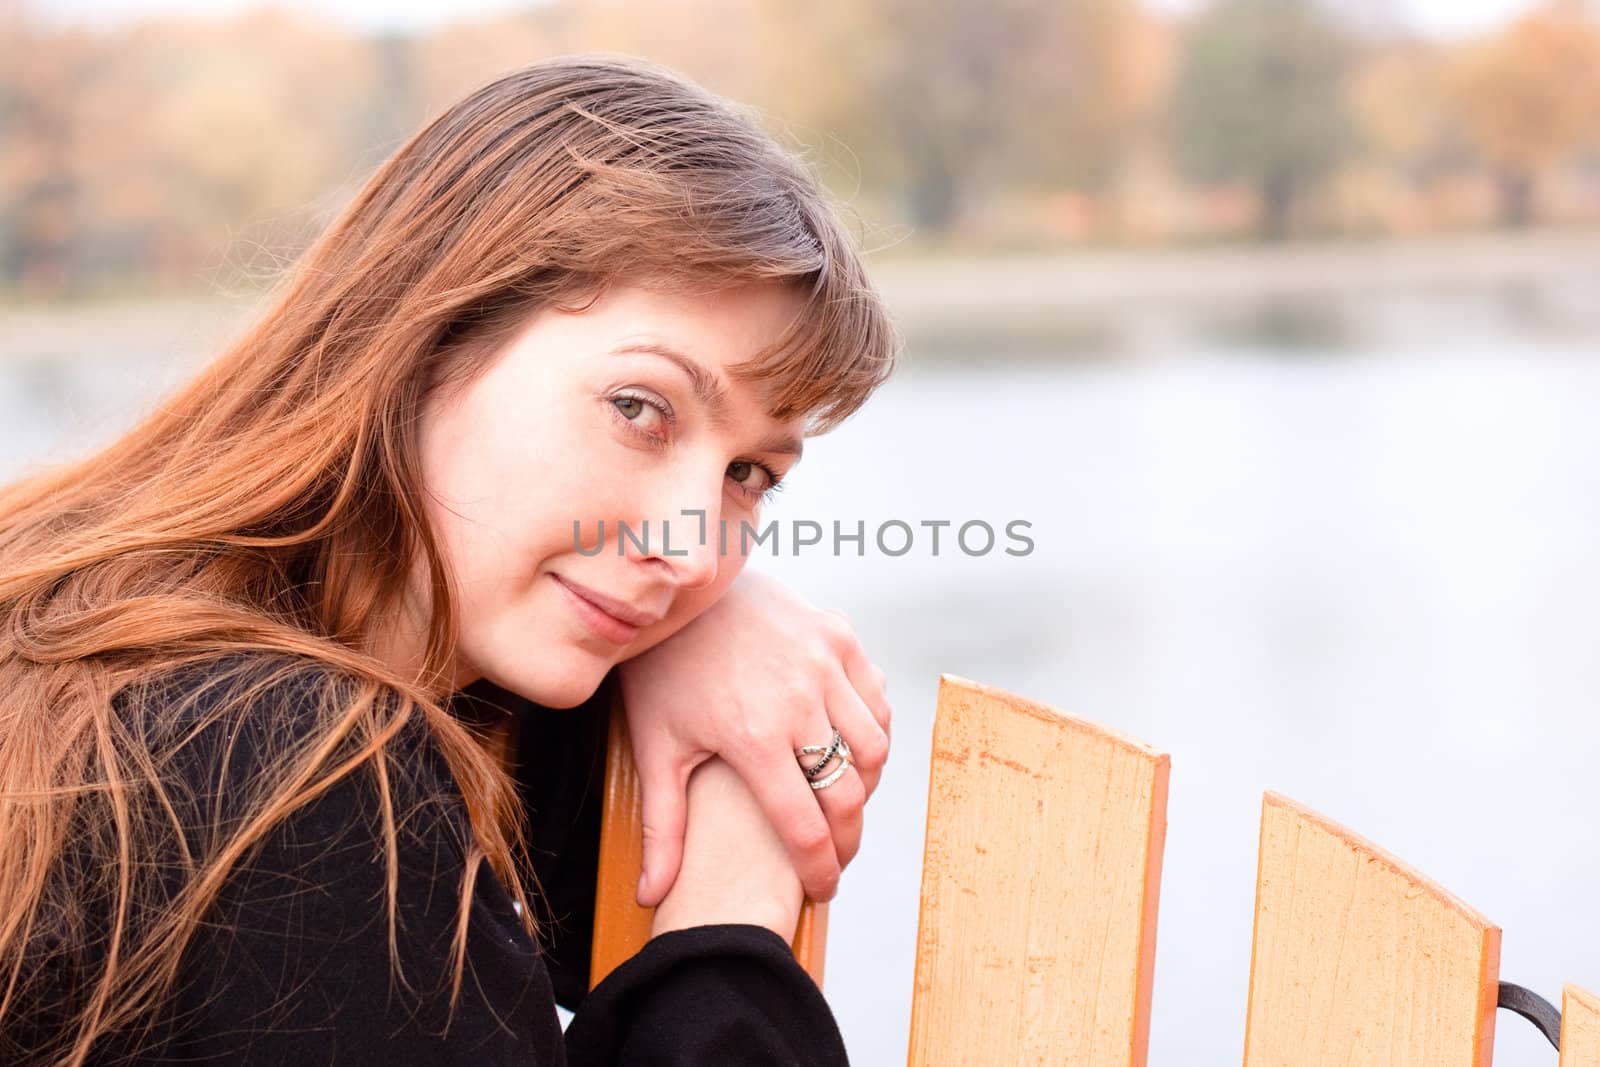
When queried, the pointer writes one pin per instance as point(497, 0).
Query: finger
point(774, 776)
point(664, 809)
point(869, 745)
point(843, 799)
point(871, 685)
point(869, 680)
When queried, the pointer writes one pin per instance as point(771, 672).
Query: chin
point(557, 684)
point(568, 696)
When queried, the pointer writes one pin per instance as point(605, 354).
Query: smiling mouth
point(609, 619)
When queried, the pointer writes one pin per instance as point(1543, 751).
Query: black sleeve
point(720, 994)
point(724, 994)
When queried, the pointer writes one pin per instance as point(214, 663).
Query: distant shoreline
point(944, 301)
point(938, 287)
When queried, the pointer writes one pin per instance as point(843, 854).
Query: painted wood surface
point(1580, 1028)
point(1357, 958)
point(621, 926)
point(1040, 883)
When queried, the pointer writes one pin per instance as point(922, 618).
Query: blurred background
point(1277, 320)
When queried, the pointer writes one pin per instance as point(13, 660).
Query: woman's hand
point(735, 868)
point(758, 675)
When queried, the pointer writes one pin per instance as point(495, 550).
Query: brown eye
point(741, 469)
point(642, 414)
point(759, 489)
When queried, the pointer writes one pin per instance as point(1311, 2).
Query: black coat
point(293, 966)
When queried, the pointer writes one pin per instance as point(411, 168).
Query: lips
point(617, 609)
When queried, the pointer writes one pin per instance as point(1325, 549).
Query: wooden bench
point(1040, 887)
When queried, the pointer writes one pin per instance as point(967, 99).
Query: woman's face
point(621, 413)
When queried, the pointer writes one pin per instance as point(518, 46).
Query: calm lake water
point(1360, 572)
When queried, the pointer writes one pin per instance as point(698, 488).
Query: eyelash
point(774, 479)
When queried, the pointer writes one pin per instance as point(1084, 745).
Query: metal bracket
point(1534, 1008)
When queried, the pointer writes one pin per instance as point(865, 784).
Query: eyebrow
point(709, 391)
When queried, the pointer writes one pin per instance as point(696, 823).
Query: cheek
point(479, 504)
point(500, 513)
point(508, 486)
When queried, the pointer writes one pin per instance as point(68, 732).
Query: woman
point(248, 812)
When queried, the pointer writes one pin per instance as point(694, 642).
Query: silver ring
point(833, 776)
point(836, 747)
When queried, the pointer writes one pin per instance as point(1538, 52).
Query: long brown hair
point(272, 506)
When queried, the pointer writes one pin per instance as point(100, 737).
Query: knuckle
point(821, 654)
point(793, 682)
point(814, 835)
point(840, 630)
point(874, 751)
point(850, 851)
point(756, 733)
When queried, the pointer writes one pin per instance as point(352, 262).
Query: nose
point(688, 540)
point(690, 546)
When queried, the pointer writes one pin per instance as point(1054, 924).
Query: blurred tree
point(140, 153)
point(41, 201)
point(952, 100)
point(395, 107)
point(253, 123)
point(1259, 99)
point(744, 49)
point(935, 101)
point(1530, 96)
point(455, 59)
point(146, 152)
point(1402, 103)
point(1397, 103)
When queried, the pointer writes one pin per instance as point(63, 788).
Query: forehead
point(705, 335)
point(722, 326)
